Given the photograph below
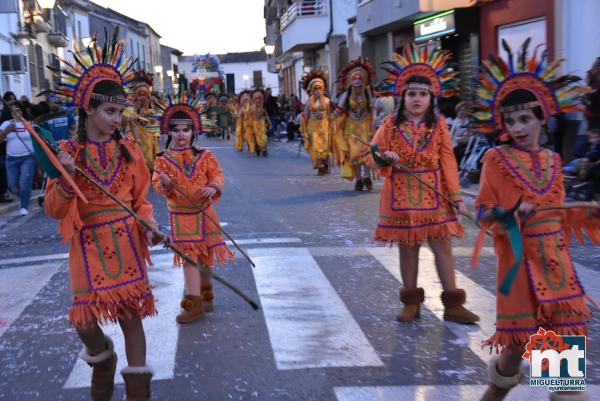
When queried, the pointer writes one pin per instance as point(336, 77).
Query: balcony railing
point(303, 8)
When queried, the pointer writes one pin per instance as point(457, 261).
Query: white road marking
point(479, 299)
point(459, 392)
point(252, 241)
point(18, 287)
point(309, 325)
point(154, 249)
point(161, 331)
point(589, 279)
point(33, 259)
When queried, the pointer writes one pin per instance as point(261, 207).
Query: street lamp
point(246, 78)
point(86, 41)
point(158, 69)
point(46, 3)
point(269, 49)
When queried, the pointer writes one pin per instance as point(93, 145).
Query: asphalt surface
point(280, 209)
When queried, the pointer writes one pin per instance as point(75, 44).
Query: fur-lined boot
point(454, 310)
point(137, 383)
point(103, 367)
point(412, 300)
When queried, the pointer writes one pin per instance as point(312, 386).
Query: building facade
point(245, 70)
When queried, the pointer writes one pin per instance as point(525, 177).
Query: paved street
point(326, 329)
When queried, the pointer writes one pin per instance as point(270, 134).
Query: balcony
point(304, 25)
point(57, 39)
point(378, 16)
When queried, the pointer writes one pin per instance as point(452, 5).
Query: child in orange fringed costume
point(410, 212)
point(538, 285)
point(242, 125)
point(197, 174)
point(108, 248)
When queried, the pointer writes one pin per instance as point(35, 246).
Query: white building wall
point(137, 48)
point(342, 10)
point(19, 84)
point(270, 80)
point(577, 30)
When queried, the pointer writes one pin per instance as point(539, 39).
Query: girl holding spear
point(108, 247)
point(538, 285)
point(412, 212)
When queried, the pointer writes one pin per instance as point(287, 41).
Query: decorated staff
point(537, 283)
point(316, 122)
point(415, 143)
point(187, 176)
point(355, 116)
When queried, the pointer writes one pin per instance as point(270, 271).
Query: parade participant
point(538, 285)
point(196, 173)
point(355, 118)
point(316, 121)
point(145, 134)
point(258, 122)
point(243, 132)
point(108, 248)
point(224, 118)
point(410, 212)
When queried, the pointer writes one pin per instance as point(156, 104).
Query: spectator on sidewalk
point(272, 109)
point(20, 161)
point(224, 118)
point(63, 126)
point(459, 133)
point(10, 98)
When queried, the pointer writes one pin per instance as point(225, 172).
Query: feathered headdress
point(420, 61)
point(310, 78)
point(499, 77)
point(360, 66)
point(190, 105)
point(142, 80)
point(94, 65)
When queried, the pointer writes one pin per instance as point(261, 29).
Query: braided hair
point(107, 88)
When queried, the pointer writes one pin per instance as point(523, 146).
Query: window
point(32, 68)
point(257, 78)
point(230, 80)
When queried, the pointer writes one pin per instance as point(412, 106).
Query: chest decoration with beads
point(103, 161)
point(416, 144)
point(535, 174)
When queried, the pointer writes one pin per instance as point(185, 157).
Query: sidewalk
point(14, 205)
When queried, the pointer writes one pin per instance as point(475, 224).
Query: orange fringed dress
point(108, 250)
point(546, 292)
point(191, 230)
point(410, 212)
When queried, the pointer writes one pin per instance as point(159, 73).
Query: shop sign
point(435, 26)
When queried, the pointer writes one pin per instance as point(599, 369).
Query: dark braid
point(82, 132)
point(122, 148)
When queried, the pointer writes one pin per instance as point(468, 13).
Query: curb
point(14, 205)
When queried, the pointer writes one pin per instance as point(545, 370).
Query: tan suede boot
point(193, 309)
point(207, 297)
point(412, 300)
point(137, 383)
point(499, 385)
point(454, 310)
point(103, 366)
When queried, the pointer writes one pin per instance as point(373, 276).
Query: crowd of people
point(110, 156)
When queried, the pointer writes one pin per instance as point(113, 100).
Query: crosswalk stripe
point(32, 259)
point(18, 287)
point(428, 279)
point(154, 249)
point(161, 331)
point(309, 325)
point(589, 279)
point(522, 392)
